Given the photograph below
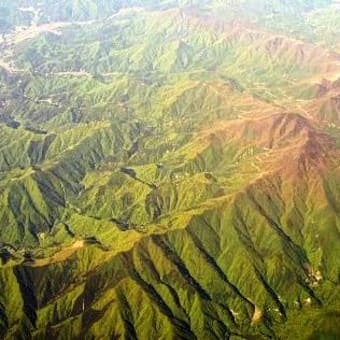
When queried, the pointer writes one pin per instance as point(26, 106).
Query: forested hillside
point(169, 169)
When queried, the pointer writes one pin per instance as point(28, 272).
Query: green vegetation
point(169, 169)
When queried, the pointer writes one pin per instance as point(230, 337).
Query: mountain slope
point(169, 169)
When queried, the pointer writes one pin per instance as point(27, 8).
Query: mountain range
point(169, 169)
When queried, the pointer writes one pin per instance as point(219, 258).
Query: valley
point(169, 169)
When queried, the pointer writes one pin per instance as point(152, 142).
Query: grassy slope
point(206, 207)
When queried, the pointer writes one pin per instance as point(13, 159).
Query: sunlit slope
point(253, 251)
point(169, 169)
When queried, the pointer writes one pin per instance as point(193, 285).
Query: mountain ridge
point(169, 170)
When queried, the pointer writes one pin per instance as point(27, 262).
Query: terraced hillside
point(169, 169)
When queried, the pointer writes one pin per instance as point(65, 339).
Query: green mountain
point(169, 169)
